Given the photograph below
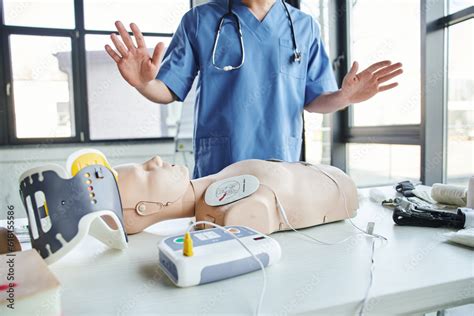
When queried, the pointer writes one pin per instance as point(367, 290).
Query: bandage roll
point(470, 193)
point(449, 194)
point(469, 215)
point(463, 237)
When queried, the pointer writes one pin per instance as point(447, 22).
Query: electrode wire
point(264, 283)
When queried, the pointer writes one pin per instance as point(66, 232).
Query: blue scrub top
point(254, 112)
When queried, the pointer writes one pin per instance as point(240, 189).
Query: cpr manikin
point(156, 190)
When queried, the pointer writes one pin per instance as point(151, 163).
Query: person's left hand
point(359, 87)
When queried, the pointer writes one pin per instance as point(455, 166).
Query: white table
point(416, 271)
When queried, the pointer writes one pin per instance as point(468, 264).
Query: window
point(377, 36)
point(383, 135)
point(457, 5)
point(44, 13)
point(379, 164)
point(317, 134)
point(61, 86)
point(158, 16)
point(460, 122)
point(111, 99)
point(42, 88)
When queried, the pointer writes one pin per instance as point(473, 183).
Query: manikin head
point(149, 187)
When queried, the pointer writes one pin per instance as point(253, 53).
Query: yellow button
point(233, 230)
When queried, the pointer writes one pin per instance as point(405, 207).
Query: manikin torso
point(308, 195)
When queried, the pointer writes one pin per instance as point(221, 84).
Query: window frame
point(434, 22)
point(79, 78)
point(3, 103)
point(344, 132)
point(437, 22)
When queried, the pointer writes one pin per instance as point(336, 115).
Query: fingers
point(119, 45)
point(388, 87)
point(390, 76)
point(138, 35)
point(354, 69)
point(125, 36)
point(158, 53)
point(112, 53)
point(377, 66)
point(386, 70)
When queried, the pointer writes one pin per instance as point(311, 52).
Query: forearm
point(328, 103)
point(156, 91)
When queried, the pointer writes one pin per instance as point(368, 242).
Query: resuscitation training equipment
point(63, 207)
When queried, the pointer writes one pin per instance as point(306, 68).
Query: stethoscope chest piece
point(297, 57)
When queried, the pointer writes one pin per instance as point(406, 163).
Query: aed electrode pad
point(216, 255)
point(231, 189)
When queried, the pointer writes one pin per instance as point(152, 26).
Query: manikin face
point(155, 181)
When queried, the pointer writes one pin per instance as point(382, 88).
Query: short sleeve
point(320, 77)
point(180, 63)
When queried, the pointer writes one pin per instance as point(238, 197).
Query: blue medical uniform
point(254, 112)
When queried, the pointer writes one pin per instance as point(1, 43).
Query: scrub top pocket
point(287, 65)
point(212, 155)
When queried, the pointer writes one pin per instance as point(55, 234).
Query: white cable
point(371, 235)
point(345, 203)
point(287, 222)
point(375, 236)
point(371, 279)
point(264, 284)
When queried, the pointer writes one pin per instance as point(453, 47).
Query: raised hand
point(359, 87)
point(134, 62)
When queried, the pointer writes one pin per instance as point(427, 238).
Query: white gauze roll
point(449, 194)
point(470, 193)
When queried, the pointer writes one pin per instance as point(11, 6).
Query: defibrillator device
point(63, 206)
point(209, 255)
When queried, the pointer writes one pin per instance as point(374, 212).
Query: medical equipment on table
point(297, 55)
point(416, 209)
point(368, 232)
point(405, 188)
point(470, 193)
point(415, 216)
point(259, 211)
point(449, 194)
point(409, 190)
point(215, 254)
point(464, 237)
point(62, 208)
point(379, 196)
point(232, 189)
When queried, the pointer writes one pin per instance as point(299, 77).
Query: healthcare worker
point(260, 64)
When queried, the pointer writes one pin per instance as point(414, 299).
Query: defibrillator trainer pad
point(62, 211)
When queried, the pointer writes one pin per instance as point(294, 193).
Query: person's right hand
point(134, 62)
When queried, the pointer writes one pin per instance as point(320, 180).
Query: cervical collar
point(62, 209)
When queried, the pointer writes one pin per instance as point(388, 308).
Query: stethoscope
point(296, 52)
